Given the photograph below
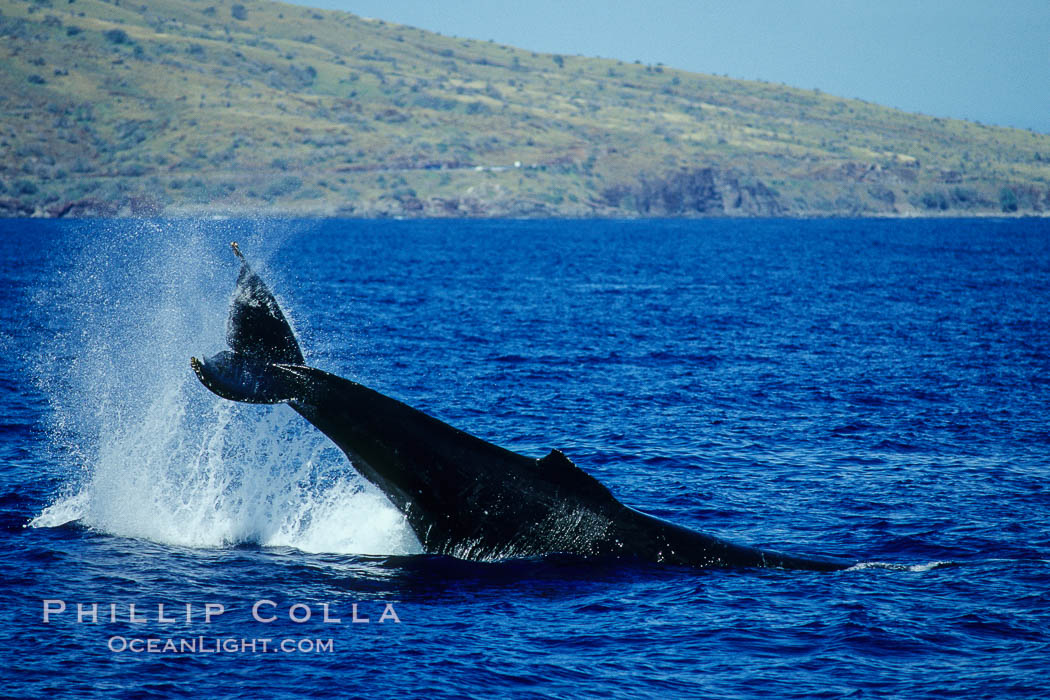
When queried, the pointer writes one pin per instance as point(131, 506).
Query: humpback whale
point(462, 496)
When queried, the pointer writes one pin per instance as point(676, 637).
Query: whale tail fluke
point(256, 326)
point(262, 347)
point(237, 377)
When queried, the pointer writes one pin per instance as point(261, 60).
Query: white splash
point(162, 458)
point(886, 566)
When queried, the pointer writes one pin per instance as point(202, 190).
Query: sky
point(982, 60)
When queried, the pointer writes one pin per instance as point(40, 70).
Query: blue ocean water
point(875, 390)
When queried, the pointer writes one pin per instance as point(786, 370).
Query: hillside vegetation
point(189, 106)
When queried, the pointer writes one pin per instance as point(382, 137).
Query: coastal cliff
point(183, 107)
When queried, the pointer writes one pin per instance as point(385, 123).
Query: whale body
point(461, 495)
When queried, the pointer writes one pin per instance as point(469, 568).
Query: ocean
point(876, 390)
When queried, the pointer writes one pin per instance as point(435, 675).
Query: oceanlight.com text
point(219, 645)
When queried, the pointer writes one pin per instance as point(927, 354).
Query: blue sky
point(983, 60)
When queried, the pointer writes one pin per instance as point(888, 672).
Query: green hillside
point(194, 106)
